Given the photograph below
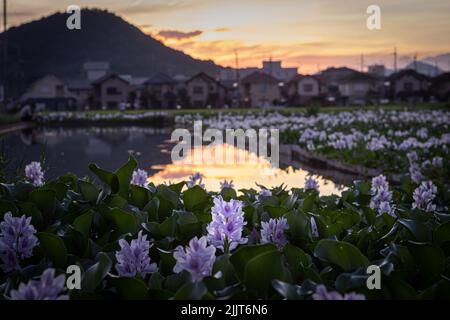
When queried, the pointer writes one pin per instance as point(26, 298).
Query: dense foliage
point(380, 139)
point(310, 241)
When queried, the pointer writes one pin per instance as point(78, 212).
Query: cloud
point(224, 29)
point(178, 35)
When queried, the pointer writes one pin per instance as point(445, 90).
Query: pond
point(72, 149)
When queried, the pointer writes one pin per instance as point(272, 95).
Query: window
point(112, 91)
point(198, 90)
point(408, 86)
point(308, 87)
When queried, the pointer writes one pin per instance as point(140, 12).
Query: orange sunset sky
point(304, 34)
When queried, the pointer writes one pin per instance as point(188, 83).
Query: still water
point(72, 149)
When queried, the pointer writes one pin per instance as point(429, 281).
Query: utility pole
point(362, 62)
point(236, 61)
point(5, 54)
point(415, 62)
point(395, 59)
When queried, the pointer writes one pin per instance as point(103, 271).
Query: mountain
point(424, 68)
point(47, 46)
point(442, 61)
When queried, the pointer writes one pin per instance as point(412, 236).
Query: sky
point(310, 35)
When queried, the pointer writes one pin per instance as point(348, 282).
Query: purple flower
point(412, 157)
point(197, 258)
point(46, 288)
point(17, 240)
point(34, 173)
point(314, 230)
point(226, 184)
point(196, 179)
point(133, 259)
point(225, 229)
point(378, 183)
point(139, 178)
point(273, 232)
point(264, 193)
point(414, 172)
point(381, 196)
point(311, 184)
point(323, 294)
point(423, 196)
point(437, 162)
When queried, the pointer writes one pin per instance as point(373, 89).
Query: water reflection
point(72, 149)
point(244, 174)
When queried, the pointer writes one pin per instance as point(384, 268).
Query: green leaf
point(195, 199)
point(257, 266)
point(261, 270)
point(340, 253)
point(124, 175)
point(45, 200)
point(287, 290)
point(191, 291)
point(131, 288)
point(53, 248)
point(83, 223)
point(309, 201)
point(139, 196)
point(96, 273)
point(124, 221)
point(429, 258)
point(442, 233)
point(106, 177)
point(418, 229)
point(88, 190)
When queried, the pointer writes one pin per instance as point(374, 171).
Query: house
point(441, 87)
point(203, 91)
point(331, 78)
point(49, 93)
point(274, 69)
point(95, 70)
point(160, 91)
point(82, 90)
point(305, 89)
point(359, 88)
point(111, 90)
point(409, 85)
point(260, 90)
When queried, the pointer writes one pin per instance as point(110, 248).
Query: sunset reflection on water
point(245, 174)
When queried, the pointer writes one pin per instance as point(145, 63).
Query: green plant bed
point(80, 222)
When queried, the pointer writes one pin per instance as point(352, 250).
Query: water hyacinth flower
point(314, 229)
point(414, 172)
point(33, 171)
point(273, 232)
point(46, 288)
point(323, 294)
point(196, 180)
point(197, 258)
point(17, 240)
point(311, 184)
point(225, 229)
point(381, 196)
point(437, 162)
point(264, 193)
point(423, 196)
point(133, 258)
point(226, 184)
point(139, 178)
